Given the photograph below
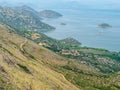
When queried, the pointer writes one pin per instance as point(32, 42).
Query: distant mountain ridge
point(50, 14)
point(23, 18)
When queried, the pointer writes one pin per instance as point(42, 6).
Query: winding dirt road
point(22, 44)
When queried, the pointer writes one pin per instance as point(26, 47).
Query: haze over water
point(82, 25)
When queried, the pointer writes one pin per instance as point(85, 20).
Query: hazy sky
point(44, 4)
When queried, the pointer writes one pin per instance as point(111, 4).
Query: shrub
point(24, 68)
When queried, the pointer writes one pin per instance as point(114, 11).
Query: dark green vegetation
point(24, 68)
point(23, 18)
point(50, 14)
point(93, 69)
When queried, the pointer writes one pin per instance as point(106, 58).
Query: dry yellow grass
point(41, 77)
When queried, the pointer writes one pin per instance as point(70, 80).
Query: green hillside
point(23, 18)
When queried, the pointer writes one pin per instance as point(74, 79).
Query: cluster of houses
point(70, 52)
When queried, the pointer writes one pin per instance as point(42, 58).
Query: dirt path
point(22, 44)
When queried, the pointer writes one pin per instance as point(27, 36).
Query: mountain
point(23, 18)
point(25, 65)
point(50, 14)
point(30, 60)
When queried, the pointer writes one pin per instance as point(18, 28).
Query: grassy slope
point(21, 69)
point(85, 76)
point(25, 65)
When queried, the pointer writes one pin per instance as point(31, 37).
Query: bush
point(31, 56)
point(24, 68)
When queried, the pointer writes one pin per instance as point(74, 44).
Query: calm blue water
point(82, 25)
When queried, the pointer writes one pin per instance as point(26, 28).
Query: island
point(104, 25)
point(50, 14)
point(62, 23)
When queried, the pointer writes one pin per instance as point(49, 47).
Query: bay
point(82, 25)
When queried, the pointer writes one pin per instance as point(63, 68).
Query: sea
point(83, 24)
